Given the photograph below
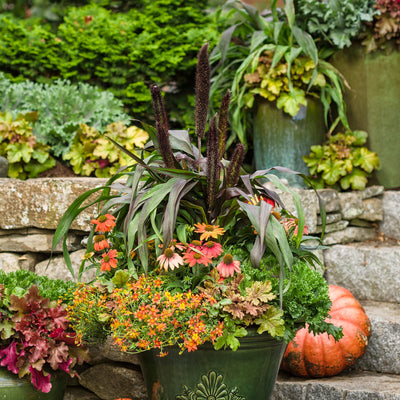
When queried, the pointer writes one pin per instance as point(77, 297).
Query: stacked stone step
point(371, 271)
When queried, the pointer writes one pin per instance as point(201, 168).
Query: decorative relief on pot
point(211, 387)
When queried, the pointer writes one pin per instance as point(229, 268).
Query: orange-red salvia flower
point(104, 223)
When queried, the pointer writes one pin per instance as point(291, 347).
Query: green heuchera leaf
point(292, 101)
point(366, 159)
point(35, 168)
point(16, 170)
point(93, 153)
point(272, 322)
point(333, 170)
point(7, 329)
point(19, 151)
point(26, 156)
point(120, 278)
point(342, 159)
point(361, 137)
point(230, 338)
point(357, 180)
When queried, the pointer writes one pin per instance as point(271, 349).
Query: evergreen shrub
point(122, 52)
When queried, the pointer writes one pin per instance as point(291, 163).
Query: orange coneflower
point(100, 243)
point(109, 260)
point(170, 259)
point(208, 231)
point(104, 223)
point(228, 266)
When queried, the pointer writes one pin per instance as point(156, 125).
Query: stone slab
point(36, 243)
point(41, 202)
point(309, 202)
point(330, 200)
point(373, 210)
point(78, 393)
point(372, 191)
point(57, 268)
point(383, 352)
point(349, 235)
point(369, 270)
point(333, 227)
point(350, 385)
point(390, 225)
point(112, 381)
point(330, 218)
point(110, 351)
point(351, 205)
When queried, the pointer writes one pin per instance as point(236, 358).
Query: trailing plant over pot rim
point(194, 242)
point(36, 339)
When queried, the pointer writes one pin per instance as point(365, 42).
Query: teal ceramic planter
point(373, 104)
point(246, 374)
point(282, 140)
point(14, 388)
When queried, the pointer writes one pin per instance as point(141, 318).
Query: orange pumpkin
point(317, 356)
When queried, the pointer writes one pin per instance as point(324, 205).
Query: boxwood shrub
point(122, 52)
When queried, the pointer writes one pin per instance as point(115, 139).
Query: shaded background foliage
point(119, 46)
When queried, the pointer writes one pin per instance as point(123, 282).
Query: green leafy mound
point(26, 156)
point(19, 283)
point(306, 297)
point(60, 108)
point(342, 162)
point(335, 22)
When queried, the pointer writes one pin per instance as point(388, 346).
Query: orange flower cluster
point(146, 316)
point(104, 224)
point(199, 252)
point(90, 305)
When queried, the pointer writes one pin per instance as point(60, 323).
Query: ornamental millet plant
point(190, 216)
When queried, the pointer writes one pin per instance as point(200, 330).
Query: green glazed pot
point(282, 140)
point(14, 388)
point(246, 374)
point(373, 104)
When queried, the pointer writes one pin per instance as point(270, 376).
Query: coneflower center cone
point(227, 259)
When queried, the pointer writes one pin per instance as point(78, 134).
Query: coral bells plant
point(190, 248)
point(36, 338)
point(384, 31)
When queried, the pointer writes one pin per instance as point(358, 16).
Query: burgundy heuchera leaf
point(40, 381)
point(10, 358)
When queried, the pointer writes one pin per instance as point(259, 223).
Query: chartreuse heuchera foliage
point(269, 56)
point(342, 162)
point(93, 153)
point(192, 248)
point(36, 339)
point(61, 107)
point(27, 157)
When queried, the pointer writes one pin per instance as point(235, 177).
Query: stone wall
point(31, 210)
